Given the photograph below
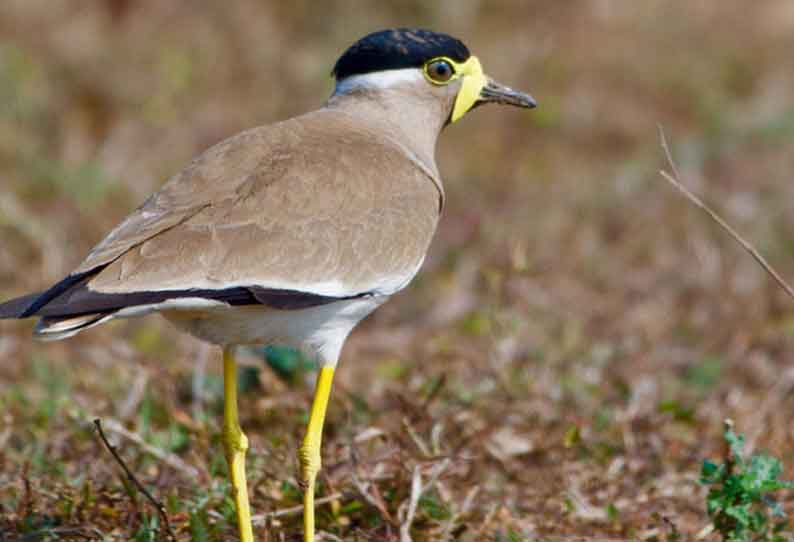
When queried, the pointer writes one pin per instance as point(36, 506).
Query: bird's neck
point(412, 121)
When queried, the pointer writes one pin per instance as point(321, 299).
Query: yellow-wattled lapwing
point(290, 233)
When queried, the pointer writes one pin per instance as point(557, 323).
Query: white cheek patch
point(381, 79)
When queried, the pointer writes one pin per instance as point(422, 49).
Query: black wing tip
point(30, 305)
point(55, 291)
point(18, 306)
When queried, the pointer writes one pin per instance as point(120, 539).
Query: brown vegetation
point(565, 360)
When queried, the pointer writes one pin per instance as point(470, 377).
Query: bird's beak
point(493, 92)
point(478, 89)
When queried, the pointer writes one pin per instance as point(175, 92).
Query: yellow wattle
point(472, 82)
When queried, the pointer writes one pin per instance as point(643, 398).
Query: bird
point(289, 233)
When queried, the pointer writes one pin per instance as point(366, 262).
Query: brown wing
point(313, 204)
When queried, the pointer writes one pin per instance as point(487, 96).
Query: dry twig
point(131, 477)
point(408, 509)
point(416, 492)
point(25, 505)
point(420, 444)
point(88, 533)
point(675, 180)
point(262, 518)
point(455, 517)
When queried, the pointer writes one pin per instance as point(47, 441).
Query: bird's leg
point(309, 454)
point(235, 443)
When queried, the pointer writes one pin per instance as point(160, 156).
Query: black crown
point(397, 48)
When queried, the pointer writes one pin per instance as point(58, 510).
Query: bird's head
point(425, 65)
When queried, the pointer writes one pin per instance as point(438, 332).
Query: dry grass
point(565, 360)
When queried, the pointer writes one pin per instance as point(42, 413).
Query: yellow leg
point(235, 443)
point(309, 454)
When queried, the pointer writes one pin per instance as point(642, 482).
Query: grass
point(569, 351)
point(739, 501)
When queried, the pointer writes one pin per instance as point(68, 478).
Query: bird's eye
point(439, 71)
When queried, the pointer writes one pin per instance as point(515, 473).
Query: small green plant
point(739, 500)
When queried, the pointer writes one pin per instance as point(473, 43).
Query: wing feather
point(314, 204)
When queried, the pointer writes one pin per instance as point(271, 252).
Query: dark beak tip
point(495, 92)
point(522, 99)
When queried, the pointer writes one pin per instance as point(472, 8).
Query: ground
point(560, 368)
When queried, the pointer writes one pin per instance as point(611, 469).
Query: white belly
point(318, 331)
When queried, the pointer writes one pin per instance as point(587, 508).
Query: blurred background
point(565, 360)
